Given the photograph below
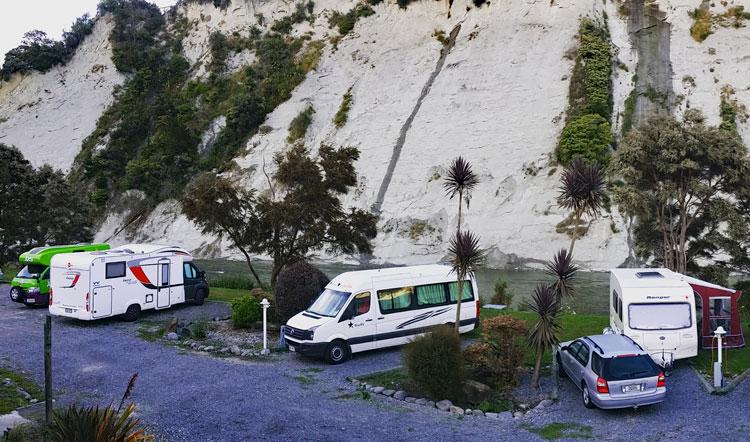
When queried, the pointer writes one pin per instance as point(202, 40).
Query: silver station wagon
point(612, 371)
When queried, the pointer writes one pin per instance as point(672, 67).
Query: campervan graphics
point(656, 308)
point(124, 281)
point(378, 308)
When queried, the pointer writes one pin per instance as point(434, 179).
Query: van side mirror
point(203, 274)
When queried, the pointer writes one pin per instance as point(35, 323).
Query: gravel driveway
point(186, 396)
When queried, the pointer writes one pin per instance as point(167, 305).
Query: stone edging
point(723, 390)
point(444, 405)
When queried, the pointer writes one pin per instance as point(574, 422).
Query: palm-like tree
point(543, 334)
point(564, 272)
point(466, 256)
point(583, 191)
point(461, 180)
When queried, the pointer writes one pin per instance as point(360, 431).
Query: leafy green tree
point(543, 334)
point(36, 52)
point(685, 181)
point(466, 257)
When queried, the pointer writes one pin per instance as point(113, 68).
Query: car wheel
point(131, 314)
point(15, 294)
point(337, 352)
point(586, 395)
point(199, 298)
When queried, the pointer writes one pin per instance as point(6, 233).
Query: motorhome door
point(163, 289)
point(102, 305)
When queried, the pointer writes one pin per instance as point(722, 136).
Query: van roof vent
point(649, 275)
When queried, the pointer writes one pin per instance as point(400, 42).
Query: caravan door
point(163, 289)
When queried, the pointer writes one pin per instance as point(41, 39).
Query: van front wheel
point(337, 352)
point(131, 314)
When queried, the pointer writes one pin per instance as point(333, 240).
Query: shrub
point(345, 22)
point(246, 312)
point(435, 364)
point(702, 21)
point(200, 329)
point(297, 287)
point(595, 52)
point(495, 360)
point(502, 294)
point(744, 301)
point(589, 137)
point(342, 115)
point(301, 13)
point(298, 126)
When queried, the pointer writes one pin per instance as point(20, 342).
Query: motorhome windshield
point(660, 316)
point(329, 303)
point(31, 271)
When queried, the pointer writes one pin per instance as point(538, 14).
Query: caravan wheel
point(131, 314)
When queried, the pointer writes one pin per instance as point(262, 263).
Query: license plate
point(30, 300)
point(68, 310)
point(632, 387)
point(291, 348)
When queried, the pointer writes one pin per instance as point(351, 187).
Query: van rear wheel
point(131, 314)
point(337, 352)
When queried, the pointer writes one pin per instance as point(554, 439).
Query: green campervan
point(31, 284)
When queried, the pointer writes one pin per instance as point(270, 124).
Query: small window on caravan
point(115, 270)
point(164, 275)
point(393, 300)
point(468, 294)
point(660, 316)
point(433, 294)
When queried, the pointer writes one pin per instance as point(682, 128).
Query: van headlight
point(312, 332)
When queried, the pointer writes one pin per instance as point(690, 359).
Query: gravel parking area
point(187, 396)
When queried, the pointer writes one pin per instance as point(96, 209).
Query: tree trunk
point(537, 368)
point(460, 203)
point(250, 265)
point(459, 295)
point(555, 377)
point(575, 233)
point(275, 270)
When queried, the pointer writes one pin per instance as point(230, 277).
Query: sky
point(50, 16)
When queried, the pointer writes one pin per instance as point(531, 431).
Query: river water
point(590, 297)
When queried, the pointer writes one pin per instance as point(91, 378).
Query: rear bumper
point(315, 350)
point(77, 313)
point(606, 402)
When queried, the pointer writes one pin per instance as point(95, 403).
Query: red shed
point(717, 306)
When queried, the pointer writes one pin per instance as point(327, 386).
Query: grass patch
point(342, 115)
point(311, 57)
point(222, 294)
point(497, 405)
point(150, 331)
point(300, 123)
point(10, 397)
point(391, 379)
point(232, 282)
point(736, 360)
point(305, 379)
point(560, 430)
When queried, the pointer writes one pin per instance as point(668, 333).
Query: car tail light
point(50, 296)
point(601, 386)
point(662, 381)
point(87, 301)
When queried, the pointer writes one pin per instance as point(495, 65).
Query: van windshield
point(31, 271)
point(629, 367)
point(660, 316)
point(329, 303)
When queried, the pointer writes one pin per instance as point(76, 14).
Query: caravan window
point(392, 300)
point(468, 294)
point(660, 316)
point(115, 270)
point(433, 294)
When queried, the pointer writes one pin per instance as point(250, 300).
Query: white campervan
point(123, 281)
point(378, 308)
point(656, 308)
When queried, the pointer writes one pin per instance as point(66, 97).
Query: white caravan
point(378, 308)
point(656, 308)
point(123, 281)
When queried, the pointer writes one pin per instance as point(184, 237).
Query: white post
point(265, 304)
point(718, 372)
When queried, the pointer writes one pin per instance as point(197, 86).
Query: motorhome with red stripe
point(124, 281)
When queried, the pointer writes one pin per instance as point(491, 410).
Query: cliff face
point(494, 90)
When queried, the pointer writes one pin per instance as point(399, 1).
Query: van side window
point(392, 300)
point(189, 271)
point(115, 270)
point(433, 294)
point(361, 304)
point(468, 294)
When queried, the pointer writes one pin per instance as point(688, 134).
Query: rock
point(368, 387)
point(468, 412)
point(400, 395)
point(475, 392)
point(523, 406)
point(421, 401)
point(410, 399)
point(11, 420)
point(456, 410)
point(172, 336)
point(33, 401)
point(388, 392)
point(444, 405)
point(505, 415)
point(491, 415)
point(245, 353)
point(378, 390)
point(212, 348)
point(235, 350)
point(517, 415)
point(477, 412)
point(544, 403)
point(430, 404)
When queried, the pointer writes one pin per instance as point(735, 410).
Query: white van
point(378, 308)
point(123, 281)
point(656, 308)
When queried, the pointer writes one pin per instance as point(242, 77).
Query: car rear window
point(629, 367)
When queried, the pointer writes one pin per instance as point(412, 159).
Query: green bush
point(495, 360)
point(200, 329)
point(298, 126)
point(435, 363)
point(301, 13)
point(297, 287)
point(589, 137)
point(595, 51)
point(502, 295)
point(246, 312)
point(345, 22)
